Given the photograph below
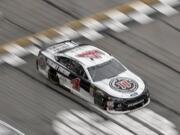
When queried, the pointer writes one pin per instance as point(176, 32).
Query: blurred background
point(146, 39)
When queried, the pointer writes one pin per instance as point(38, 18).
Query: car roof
point(61, 47)
point(88, 55)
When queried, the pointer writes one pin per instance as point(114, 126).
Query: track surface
point(30, 106)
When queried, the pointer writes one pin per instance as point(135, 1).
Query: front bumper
point(128, 105)
point(127, 110)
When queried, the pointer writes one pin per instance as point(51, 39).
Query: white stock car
point(93, 75)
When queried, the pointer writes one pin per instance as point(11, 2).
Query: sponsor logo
point(57, 67)
point(125, 85)
point(133, 104)
point(134, 94)
point(96, 54)
point(76, 84)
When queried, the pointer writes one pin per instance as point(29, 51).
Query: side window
point(73, 66)
point(80, 71)
point(65, 61)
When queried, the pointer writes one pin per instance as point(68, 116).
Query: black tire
point(99, 99)
point(37, 65)
point(52, 76)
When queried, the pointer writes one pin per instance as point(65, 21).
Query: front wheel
point(99, 99)
point(52, 76)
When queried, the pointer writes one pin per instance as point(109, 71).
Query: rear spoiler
point(45, 46)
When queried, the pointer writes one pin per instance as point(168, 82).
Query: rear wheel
point(52, 76)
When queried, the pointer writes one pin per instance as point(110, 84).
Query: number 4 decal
point(76, 84)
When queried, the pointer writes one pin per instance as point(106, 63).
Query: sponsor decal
point(134, 94)
point(125, 85)
point(76, 84)
point(133, 104)
point(62, 79)
point(57, 67)
point(95, 54)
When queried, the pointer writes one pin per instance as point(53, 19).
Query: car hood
point(124, 85)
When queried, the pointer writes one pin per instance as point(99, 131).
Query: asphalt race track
point(30, 103)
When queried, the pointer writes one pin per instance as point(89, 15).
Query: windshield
point(106, 70)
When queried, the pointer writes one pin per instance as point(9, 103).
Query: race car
point(93, 75)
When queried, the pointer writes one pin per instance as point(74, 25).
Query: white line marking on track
point(91, 34)
point(93, 24)
point(142, 8)
point(117, 129)
point(13, 60)
point(44, 39)
point(118, 16)
point(33, 49)
point(60, 39)
point(112, 127)
point(77, 124)
point(116, 26)
point(102, 126)
point(85, 122)
point(132, 125)
point(68, 32)
point(10, 128)
point(62, 129)
point(15, 49)
point(90, 115)
point(141, 17)
point(165, 9)
point(35, 41)
point(170, 2)
point(156, 121)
